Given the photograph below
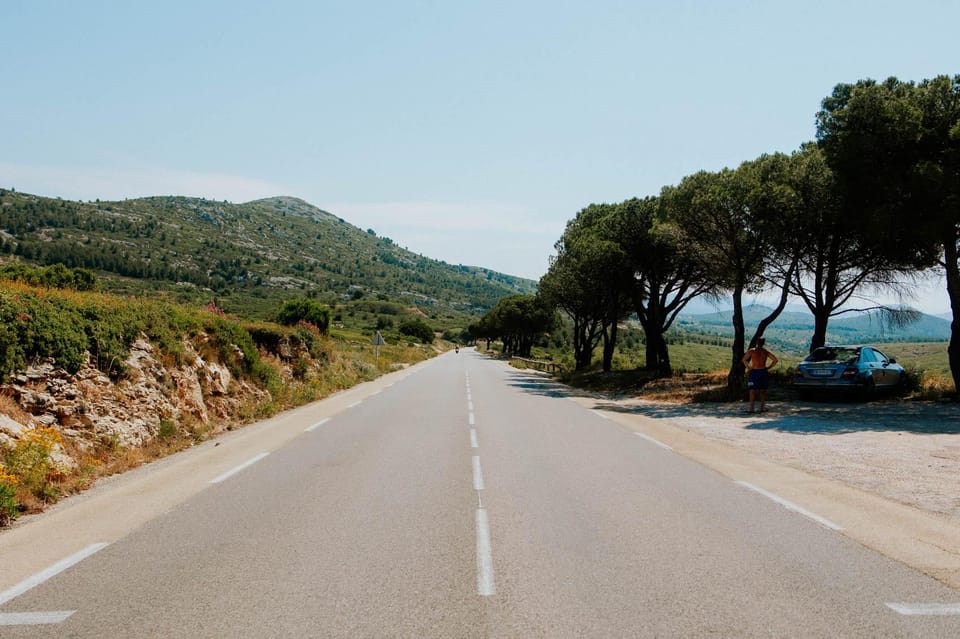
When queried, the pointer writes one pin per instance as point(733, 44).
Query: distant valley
point(794, 327)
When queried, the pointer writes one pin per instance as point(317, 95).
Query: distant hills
point(794, 328)
point(246, 256)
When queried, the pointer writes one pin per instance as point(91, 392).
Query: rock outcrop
point(90, 409)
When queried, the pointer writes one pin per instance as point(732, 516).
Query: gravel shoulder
point(908, 452)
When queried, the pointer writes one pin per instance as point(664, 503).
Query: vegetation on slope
point(249, 256)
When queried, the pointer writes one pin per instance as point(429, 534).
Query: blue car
point(858, 369)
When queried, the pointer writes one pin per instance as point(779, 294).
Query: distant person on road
point(758, 379)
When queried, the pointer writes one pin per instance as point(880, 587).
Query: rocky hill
point(249, 256)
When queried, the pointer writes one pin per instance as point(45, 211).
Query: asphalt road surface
point(460, 498)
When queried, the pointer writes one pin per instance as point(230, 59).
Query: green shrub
point(9, 508)
point(34, 325)
point(306, 310)
point(416, 327)
point(29, 461)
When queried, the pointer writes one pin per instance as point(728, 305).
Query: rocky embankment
point(89, 409)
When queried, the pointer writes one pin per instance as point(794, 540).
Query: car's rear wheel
point(901, 387)
point(869, 390)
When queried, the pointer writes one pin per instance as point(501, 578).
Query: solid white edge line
point(52, 571)
point(791, 506)
point(599, 414)
point(473, 438)
point(34, 618)
point(355, 404)
point(485, 583)
point(933, 609)
point(477, 474)
point(653, 441)
point(317, 425)
point(236, 469)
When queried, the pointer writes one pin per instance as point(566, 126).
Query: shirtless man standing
point(758, 378)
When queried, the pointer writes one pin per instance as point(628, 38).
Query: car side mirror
point(893, 360)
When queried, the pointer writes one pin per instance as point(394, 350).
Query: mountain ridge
point(247, 256)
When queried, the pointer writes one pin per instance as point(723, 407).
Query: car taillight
point(848, 373)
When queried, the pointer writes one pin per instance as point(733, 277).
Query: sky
point(465, 131)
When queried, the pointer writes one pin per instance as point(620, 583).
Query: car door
point(882, 372)
point(869, 361)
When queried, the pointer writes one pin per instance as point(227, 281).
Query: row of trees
point(518, 320)
point(869, 205)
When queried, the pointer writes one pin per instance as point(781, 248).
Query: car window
point(880, 356)
point(866, 356)
point(831, 354)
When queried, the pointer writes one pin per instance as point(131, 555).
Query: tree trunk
point(953, 291)
point(820, 318)
point(735, 377)
point(609, 345)
point(664, 369)
point(784, 295)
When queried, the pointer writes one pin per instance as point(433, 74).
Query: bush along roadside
point(96, 384)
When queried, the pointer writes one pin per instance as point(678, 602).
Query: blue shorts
point(758, 379)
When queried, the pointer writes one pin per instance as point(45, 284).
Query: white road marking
point(469, 397)
point(485, 583)
point(376, 392)
point(477, 474)
point(316, 426)
point(471, 419)
point(355, 404)
point(599, 414)
point(791, 506)
point(473, 438)
point(469, 404)
point(34, 618)
point(926, 609)
point(236, 469)
point(653, 441)
point(52, 571)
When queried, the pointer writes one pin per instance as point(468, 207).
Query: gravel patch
point(905, 451)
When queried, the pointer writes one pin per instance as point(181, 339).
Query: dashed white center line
point(653, 441)
point(355, 404)
point(316, 426)
point(473, 438)
point(485, 582)
point(236, 469)
point(477, 474)
point(469, 405)
point(471, 419)
point(932, 609)
point(791, 506)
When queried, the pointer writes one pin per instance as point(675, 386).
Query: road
point(460, 498)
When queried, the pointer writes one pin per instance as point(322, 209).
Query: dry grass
point(10, 408)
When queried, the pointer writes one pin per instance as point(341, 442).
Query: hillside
point(793, 329)
point(248, 256)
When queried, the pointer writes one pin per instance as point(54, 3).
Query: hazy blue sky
point(466, 131)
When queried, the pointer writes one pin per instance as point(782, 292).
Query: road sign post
point(378, 341)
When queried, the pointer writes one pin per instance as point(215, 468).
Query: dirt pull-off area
point(905, 451)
